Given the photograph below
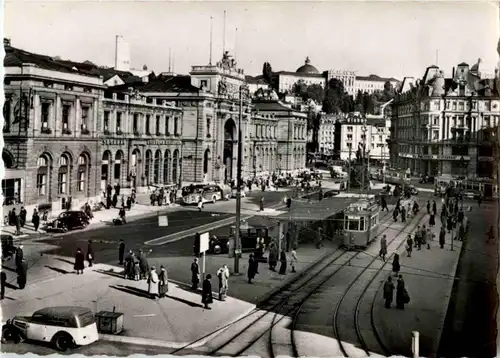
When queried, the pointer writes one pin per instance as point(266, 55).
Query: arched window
point(105, 169)
point(147, 168)
point(206, 159)
point(83, 172)
point(62, 176)
point(156, 171)
point(117, 170)
point(166, 167)
point(42, 174)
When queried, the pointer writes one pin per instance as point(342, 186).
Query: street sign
point(162, 220)
point(204, 241)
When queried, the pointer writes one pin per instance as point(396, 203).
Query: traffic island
point(174, 321)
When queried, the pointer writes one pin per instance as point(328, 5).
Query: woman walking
point(383, 247)
point(283, 262)
point(162, 282)
point(90, 253)
point(252, 268)
point(206, 295)
point(79, 261)
point(396, 267)
point(402, 296)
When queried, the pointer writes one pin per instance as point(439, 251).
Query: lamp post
point(237, 239)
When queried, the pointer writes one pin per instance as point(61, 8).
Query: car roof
point(65, 311)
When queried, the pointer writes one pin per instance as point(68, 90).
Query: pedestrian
point(261, 203)
point(129, 265)
point(395, 214)
point(383, 247)
point(383, 203)
point(409, 245)
point(79, 261)
point(461, 232)
point(206, 293)
point(428, 207)
point(3, 281)
point(428, 237)
point(19, 258)
point(434, 207)
point(442, 236)
point(153, 283)
point(396, 267)
point(283, 262)
point(223, 276)
point(388, 292)
point(460, 216)
point(22, 275)
point(417, 238)
point(22, 216)
point(143, 264)
point(115, 200)
point(90, 253)
point(162, 282)
point(252, 271)
point(479, 200)
point(136, 271)
point(35, 219)
point(273, 256)
point(121, 252)
point(121, 214)
point(403, 214)
point(200, 203)
point(195, 274)
point(402, 296)
point(432, 220)
point(129, 203)
point(319, 238)
point(17, 222)
point(293, 258)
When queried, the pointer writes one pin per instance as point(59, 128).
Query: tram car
point(361, 223)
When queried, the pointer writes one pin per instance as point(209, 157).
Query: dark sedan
point(68, 220)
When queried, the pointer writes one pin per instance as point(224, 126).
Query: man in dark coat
point(383, 203)
point(434, 207)
point(143, 264)
point(400, 293)
point(395, 264)
point(90, 253)
point(403, 214)
point(22, 275)
point(195, 274)
point(273, 256)
point(129, 265)
point(22, 216)
point(121, 252)
point(252, 268)
point(79, 261)
point(109, 190)
point(3, 281)
point(35, 219)
point(442, 236)
point(283, 262)
point(115, 200)
point(206, 294)
point(261, 203)
point(162, 282)
point(388, 292)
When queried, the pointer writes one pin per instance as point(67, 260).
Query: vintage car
point(208, 193)
point(68, 220)
point(64, 326)
point(248, 235)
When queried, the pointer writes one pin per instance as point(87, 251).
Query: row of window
point(141, 124)
point(454, 105)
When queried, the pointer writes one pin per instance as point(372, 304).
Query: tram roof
point(302, 210)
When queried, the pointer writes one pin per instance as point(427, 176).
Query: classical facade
point(326, 133)
point(443, 126)
point(373, 83)
point(140, 142)
point(347, 77)
point(51, 131)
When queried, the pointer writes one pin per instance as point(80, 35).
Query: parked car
point(248, 235)
point(208, 193)
point(65, 327)
point(68, 220)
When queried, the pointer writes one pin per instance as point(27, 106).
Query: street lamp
point(244, 93)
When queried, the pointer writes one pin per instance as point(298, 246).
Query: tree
point(368, 103)
point(389, 92)
point(299, 88)
point(267, 73)
point(334, 97)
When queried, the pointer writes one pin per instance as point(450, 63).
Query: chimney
point(6, 42)
point(453, 72)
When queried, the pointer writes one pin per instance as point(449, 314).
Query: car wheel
point(214, 199)
point(63, 341)
point(11, 335)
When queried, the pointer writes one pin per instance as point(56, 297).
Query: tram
point(361, 223)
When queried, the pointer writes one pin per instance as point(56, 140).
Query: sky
point(390, 39)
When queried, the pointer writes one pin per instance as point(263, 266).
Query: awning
point(14, 174)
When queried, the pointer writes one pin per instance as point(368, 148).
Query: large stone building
point(443, 126)
point(373, 83)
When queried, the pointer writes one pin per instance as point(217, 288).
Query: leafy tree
point(368, 103)
point(334, 97)
point(389, 92)
point(267, 73)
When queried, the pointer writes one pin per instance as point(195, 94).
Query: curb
point(211, 226)
point(168, 344)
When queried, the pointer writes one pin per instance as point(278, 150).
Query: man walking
point(388, 292)
point(223, 276)
point(195, 274)
point(442, 236)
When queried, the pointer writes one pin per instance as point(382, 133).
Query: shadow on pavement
point(131, 290)
point(8, 268)
point(65, 261)
point(11, 286)
point(111, 273)
point(56, 269)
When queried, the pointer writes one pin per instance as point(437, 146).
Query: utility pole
point(349, 174)
point(237, 238)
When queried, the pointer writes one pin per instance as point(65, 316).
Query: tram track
point(350, 302)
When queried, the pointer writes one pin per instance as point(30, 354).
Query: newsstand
point(109, 322)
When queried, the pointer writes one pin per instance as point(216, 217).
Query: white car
point(64, 326)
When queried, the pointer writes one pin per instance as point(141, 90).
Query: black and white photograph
point(250, 178)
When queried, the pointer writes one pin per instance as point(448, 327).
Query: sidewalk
point(263, 284)
point(429, 277)
point(101, 217)
point(170, 322)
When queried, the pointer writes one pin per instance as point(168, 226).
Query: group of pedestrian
point(80, 258)
point(21, 271)
point(206, 289)
point(163, 196)
point(402, 296)
point(17, 220)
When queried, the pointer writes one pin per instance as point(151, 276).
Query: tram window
point(374, 220)
point(353, 225)
point(362, 224)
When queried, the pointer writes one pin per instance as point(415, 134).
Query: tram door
point(488, 190)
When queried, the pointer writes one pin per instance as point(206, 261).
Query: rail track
point(273, 314)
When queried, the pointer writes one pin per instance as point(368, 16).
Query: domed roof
point(307, 68)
